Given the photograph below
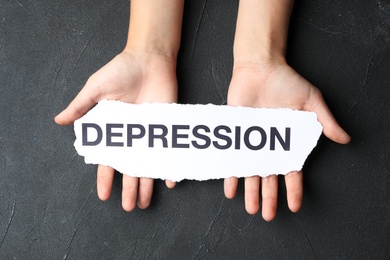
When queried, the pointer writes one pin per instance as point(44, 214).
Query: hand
point(133, 77)
point(277, 85)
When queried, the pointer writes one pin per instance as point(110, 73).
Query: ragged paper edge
point(238, 174)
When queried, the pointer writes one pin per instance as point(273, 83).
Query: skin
point(144, 72)
point(262, 78)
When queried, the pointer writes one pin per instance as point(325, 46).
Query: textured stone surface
point(48, 203)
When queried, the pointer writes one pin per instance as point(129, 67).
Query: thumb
point(80, 105)
point(332, 129)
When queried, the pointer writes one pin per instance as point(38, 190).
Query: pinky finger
point(230, 187)
point(170, 184)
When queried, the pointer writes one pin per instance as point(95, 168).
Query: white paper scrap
point(195, 142)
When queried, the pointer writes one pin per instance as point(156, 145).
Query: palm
point(277, 86)
point(133, 77)
point(130, 78)
point(273, 87)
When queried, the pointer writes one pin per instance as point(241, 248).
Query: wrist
point(163, 50)
point(258, 53)
point(151, 64)
point(155, 26)
point(260, 69)
point(261, 31)
point(246, 52)
point(152, 73)
point(152, 58)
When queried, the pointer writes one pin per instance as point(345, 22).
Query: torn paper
point(195, 142)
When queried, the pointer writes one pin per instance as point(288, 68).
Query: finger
point(332, 129)
point(145, 192)
point(105, 176)
point(80, 105)
point(269, 191)
point(230, 187)
point(170, 184)
point(252, 193)
point(294, 187)
point(129, 192)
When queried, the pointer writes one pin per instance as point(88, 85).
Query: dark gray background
point(48, 203)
